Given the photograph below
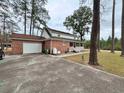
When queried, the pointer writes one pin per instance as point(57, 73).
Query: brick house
point(50, 39)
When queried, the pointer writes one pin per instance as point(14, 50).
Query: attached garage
point(31, 47)
point(26, 44)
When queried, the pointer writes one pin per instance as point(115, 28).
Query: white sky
point(60, 9)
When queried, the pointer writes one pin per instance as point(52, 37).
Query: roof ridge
point(59, 31)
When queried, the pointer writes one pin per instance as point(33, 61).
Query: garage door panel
point(32, 48)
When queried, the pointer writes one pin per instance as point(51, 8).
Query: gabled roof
point(50, 31)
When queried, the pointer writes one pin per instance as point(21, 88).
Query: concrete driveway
point(44, 74)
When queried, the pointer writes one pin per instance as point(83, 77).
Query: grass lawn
point(109, 62)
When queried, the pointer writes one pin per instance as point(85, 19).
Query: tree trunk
point(81, 39)
point(25, 18)
point(93, 47)
point(4, 33)
point(4, 27)
point(31, 17)
point(98, 42)
point(4, 19)
point(0, 39)
point(122, 30)
point(113, 28)
point(33, 28)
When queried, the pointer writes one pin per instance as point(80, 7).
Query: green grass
point(109, 62)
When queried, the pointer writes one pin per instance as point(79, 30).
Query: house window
point(7, 45)
point(71, 44)
point(58, 35)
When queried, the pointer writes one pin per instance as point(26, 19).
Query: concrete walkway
point(45, 74)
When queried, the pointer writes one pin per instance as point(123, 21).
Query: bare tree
point(21, 7)
point(38, 14)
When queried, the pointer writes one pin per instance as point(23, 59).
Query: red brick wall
point(46, 44)
point(17, 47)
point(62, 46)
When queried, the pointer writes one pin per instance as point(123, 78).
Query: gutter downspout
point(50, 46)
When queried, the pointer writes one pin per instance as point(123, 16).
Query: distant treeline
point(106, 44)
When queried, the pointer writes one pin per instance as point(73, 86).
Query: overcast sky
point(60, 9)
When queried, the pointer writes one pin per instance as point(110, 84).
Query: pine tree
point(93, 47)
point(113, 28)
point(122, 30)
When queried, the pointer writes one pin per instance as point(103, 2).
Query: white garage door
point(32, 48)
